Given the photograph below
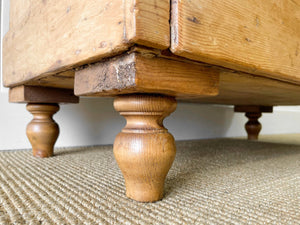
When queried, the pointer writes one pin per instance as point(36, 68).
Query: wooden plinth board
point(34, 94)
point(135, 73)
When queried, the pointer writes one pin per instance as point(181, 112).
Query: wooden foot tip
point(42, 154)
point(145, 197)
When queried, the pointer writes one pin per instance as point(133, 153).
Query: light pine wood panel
point(49, 37)
point(61, 80)
point(151, 22)
point(246, 89)
point(135, 73)
point(19, 11)
point(142, 71)
point(254, 36)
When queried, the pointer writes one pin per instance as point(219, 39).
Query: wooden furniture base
point(42, 131)
point(219, 52)
point(253, 113)
point(253, 126)
point(144, 150)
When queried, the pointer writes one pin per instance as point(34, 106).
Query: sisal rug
point(218, 181)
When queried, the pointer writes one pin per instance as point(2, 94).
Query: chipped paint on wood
point(114, 74)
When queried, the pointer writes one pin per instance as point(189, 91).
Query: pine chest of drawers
point(147, 54)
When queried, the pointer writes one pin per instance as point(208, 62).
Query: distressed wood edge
point(253, 108)
point(35, 94)
point(64, 80)
point(107, 77)
point(174, 26)
point(128, 73)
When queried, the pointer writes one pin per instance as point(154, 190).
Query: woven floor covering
point(218, 181)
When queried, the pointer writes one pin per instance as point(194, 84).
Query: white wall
point(94, 121)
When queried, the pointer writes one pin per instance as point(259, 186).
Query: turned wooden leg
point(144, 150)
point(253, 126)
point(42, 131)
point(253, 113)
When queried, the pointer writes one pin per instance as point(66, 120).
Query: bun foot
point(144, 150)
point(253, 126)
point(253, 113)
point(42, 131)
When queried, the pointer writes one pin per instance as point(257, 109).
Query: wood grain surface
point(137, 73)
point(42, 131)
point(64, 80)
point(34, 94)
point(254, 36)
point(49, 37)
point(246, 89)
point(144, 149)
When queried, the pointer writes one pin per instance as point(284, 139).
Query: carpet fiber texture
point(219, 181)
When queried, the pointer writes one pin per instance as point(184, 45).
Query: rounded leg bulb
point(42, 131)
point(144, 150)
point(253, 126)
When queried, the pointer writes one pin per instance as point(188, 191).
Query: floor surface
point(217, 181)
